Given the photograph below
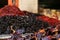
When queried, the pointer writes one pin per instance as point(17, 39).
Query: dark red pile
point(10, 10)
point(51, 21)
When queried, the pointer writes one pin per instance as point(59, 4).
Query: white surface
point(5, 36)
point(29, 5)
